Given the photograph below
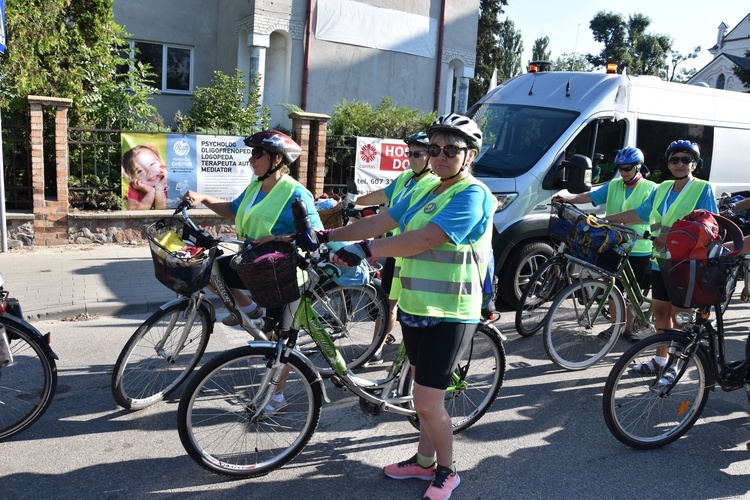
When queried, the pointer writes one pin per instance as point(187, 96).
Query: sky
point(689, 23)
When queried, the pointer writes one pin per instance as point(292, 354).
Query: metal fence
point(340, 159)
point(17, 163)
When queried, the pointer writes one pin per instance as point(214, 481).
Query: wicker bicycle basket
point(175, 269)
point(333, 217)
point(269, 271)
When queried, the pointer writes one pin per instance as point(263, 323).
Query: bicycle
point(28, 369)
point(166, 348)
point(575, 331)
point(227, 427)
point(650, 411)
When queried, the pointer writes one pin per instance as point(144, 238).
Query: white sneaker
point(273, 406)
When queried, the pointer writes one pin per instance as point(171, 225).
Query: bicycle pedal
point(390, 339)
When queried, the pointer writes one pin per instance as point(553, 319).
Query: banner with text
point(158, 169)
point(378, 163)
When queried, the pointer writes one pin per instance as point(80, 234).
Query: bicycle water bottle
point(306, 237)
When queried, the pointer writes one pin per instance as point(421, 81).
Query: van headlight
point(504, 200)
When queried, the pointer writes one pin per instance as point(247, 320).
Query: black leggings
point(435, 351)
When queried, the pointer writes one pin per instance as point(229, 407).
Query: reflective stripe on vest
point(616, 203)
point(445, 281)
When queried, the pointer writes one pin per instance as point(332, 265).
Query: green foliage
point(489, 53)
point(222, 107)
point(386, 119)
point(743, 74)
point(676, 59)
point(540, 51)
point(511, 44)
point(571, 62)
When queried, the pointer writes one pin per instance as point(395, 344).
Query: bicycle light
point(683, 318)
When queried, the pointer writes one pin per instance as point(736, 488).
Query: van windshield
point(515, 137)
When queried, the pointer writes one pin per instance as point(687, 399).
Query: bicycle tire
point(27, 386)
point(142, 376)
point(481, 373)
point(637, 413)
point(356, 318)
point(538, 294)
point(213, 417)
point(572, 340)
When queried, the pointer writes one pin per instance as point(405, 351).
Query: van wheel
point(519, 267)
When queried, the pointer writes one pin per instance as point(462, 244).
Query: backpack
point(694, 237)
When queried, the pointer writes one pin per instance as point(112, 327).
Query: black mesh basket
point(695, 283)
point(181, 271)
point(269, 271)
point(561, 219)
point(600, 244)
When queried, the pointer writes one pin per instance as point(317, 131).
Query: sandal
point(630, 336)
point(650, 367)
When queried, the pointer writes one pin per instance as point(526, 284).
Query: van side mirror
point(573, 174)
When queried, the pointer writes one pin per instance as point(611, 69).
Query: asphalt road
point(544, 437)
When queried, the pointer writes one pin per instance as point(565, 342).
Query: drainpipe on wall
point(306, 67)
point(441, 28)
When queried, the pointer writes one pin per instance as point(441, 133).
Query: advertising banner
point(2, 26)
point(378, 163)
point(158, 169)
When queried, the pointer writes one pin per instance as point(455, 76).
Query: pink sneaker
point(443, 484)
point(410, 469)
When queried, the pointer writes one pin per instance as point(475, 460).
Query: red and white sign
point(378, 163)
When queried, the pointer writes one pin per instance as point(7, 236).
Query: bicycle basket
point(269, 271)
point(601, 244)
point(333, 217)
point(695, 283)
point(182, 257)
point(561, 219)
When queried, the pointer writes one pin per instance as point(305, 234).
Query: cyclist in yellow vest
point(262, 213)
point(419, 170)
point(445, 244)
point(669, 202)
point(628, 191)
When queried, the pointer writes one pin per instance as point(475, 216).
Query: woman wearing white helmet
point(446, 247)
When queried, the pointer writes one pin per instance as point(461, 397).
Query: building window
point(171, 65)
point(721, 81)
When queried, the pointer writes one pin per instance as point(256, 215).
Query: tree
point(676, 58)
point(511, 44)
point(540, 50)
point(743, 74)
point(69, 49)
point(489, 55)
point(571, 62)
point(628, 44)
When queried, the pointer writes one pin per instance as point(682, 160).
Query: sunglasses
point(257, 153)
point(450, 151)
point(415, 154)
point(626, 168)
point(687, 160)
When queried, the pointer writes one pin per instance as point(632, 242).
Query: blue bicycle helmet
point(685, 147)
point(418, 138)
point(629, 156)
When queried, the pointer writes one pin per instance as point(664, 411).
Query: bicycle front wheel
point(476, 380)
point(356, 318)
point(583, 324)
point(641, 411)
point(539, 292)
point(27, 385)
point(156, 359)
point(218, 419)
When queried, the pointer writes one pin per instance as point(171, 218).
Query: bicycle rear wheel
point(215, 415)
point(538, 294)
point(638, 410)
point(576, 331)
point(476, 380)
point(356, 318)
point(154, 362)
point(27, 385)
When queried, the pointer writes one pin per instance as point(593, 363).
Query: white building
point(310, 53)
point(728, 52)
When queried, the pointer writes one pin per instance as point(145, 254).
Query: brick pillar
point(310, 131)
point(50, 215)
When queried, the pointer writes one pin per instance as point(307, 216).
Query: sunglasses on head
point(626, 168)
point(415, 154)
point(687, 160)
point(257, 153)
point(450, 151)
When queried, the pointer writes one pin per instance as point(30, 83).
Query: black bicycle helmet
point(461, 124)
point(276, 142)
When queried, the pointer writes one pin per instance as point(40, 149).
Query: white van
point(543, 131)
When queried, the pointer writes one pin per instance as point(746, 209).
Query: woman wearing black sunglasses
point(669, 202)
point(445, 244)
point(625, 192)
point(262, 212)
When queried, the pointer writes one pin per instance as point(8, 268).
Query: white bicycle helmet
point(461, 124)
point(275, 142)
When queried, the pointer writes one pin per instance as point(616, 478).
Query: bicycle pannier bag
point(695, 236)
